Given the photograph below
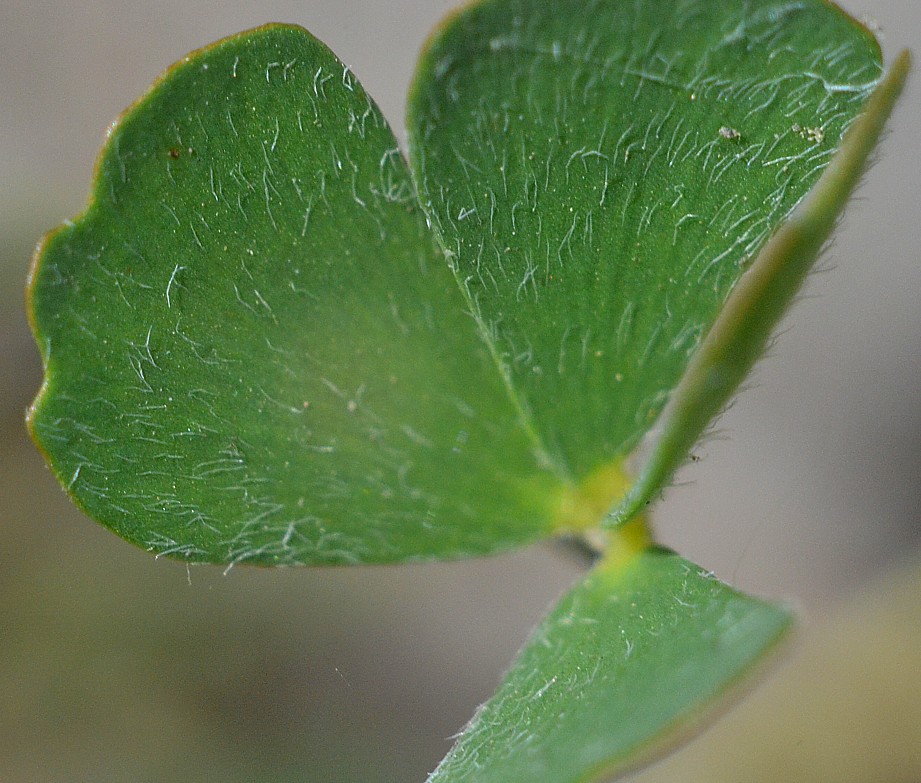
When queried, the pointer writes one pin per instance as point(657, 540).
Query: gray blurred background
point(118, 667)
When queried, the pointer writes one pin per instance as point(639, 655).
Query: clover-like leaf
point(260, 347)
point(628, 658)
point(604, 173)
point(254, 348)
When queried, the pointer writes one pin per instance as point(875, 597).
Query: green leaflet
point(604, 172)
point(629, 656)
point(254, 351)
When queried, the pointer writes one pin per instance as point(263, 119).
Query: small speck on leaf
point(815, 135)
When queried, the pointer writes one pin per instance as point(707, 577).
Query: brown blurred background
point(118, 667)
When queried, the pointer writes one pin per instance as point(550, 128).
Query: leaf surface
point(255, 350)
point(260, 347)
point(603, 173)
point(628, 657)
point(742, 331)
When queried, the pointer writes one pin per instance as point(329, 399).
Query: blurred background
point(115, 666)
